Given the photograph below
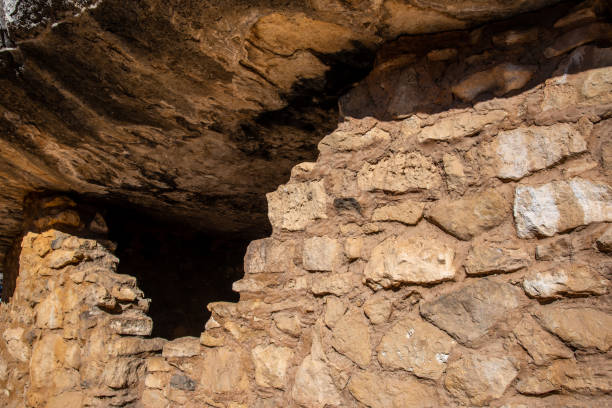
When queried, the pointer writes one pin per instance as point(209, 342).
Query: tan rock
point(208, 340)
point(456, 179)
point(513, 38)
point(288, 322)
point(62, 257)
point(417, 347)
point(334, 310)
point(604, 242)
point(554, 250)
point(559, 206)
point(268, 255)
point(346, 141)
point(386, 391)
point(271, 363)
point(48, 368)
point(409, 260)
point(496, 257)
point(153, 399)
point(565, 280)
point(155, 364)
point(351, 337)
point(524, 150)
point(400, 173)
point(319, 253)
point(581, 327)
point(294, 206)
point(15, 345)
point(378, 308)
point(156, 380)
point(578, 37)
point(182, 347)
point(470, 216)
point(460, 125)
point(541, 345)
point(478, 379)
point(407, 212)
point(336, 284)
point(49, 312)
point(470, 313)
point(500, 80)
point(224, 370)
point(132, 324)
point(353, 247)
point(314, 386)
point(129, 346)
point(66, 399)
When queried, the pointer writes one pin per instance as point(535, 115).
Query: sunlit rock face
point(188, 109)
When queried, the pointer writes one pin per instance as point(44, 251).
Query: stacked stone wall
point(450, 247)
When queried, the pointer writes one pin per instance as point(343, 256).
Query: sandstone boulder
point(378, 308)
point(271, 363)
point(319, 253)
point(224, 370)
point(496, 257)
point(351, 337)
point(182, 347)
point(408, 212)
point(565, 280)
point(409, 260)
point(541, 345)
point(268, 255)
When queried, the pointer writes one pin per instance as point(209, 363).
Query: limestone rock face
point(405, 260)
point(417, 347)
point(470, 216)
point(560, 206)
point(470, 313)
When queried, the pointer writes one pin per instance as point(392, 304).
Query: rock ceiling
point(191, 109)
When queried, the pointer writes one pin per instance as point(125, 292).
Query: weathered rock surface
point(271, 363)
point(581, 327)
point(408, 213)
point(479, 379)
point(376, 391)
point(319, 254)
point(560, 206)
point(409, 260)
point(565, 280)
point(496, 257)
point(522, 151)
point(541, 345)
point(400, 173)
point(604, 242)
point(469, 217)
point(294, 206)
point(351, 337)
point(417, 347)
point(472, 312)
point(460, 125)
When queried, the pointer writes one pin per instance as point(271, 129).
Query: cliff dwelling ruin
point(341, 203)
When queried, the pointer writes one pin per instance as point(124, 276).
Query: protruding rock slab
point(470, 216)
point(542, 346)
point(415, 346)
point(560, 206)
point(581, 327)
point(565, 280)
point(522, 151)
point(478, 379)
point(294, 206)
point(400, 173)
point(386, 391)
point(499, 80)
point(604, 242)
point(470, 313)
point(460, 125)
point(268, 255)
point(496, 257)
point(408, 212)
point(409, 260)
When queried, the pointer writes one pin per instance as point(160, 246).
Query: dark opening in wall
point(180, 269)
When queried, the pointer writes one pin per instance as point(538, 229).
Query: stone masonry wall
point(450, 247)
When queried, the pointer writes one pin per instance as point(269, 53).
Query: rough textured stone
point(268, 255)
point(470, 216)
point(541, 345)
point(499, 80)
point(479, 379)
point(271, 363)
point(560, 206)
point(581, 327)
point(406, 260)
point(495, 257)
point(400, 173)
point(415, 346)
point(377, 308)
point(337, 284)
point(314, 386)
point(345, 141)
point(224, 371)
point(473, 311)
point(565, 280)
point(293, 206)
point(522, 151)
point(553, 250)
point(182, 347)
point(351, 337)
point(385, 391)
point(460, 125)
point(604, 242)
point(288, 322)
point(408, 213)
point(319, 254)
